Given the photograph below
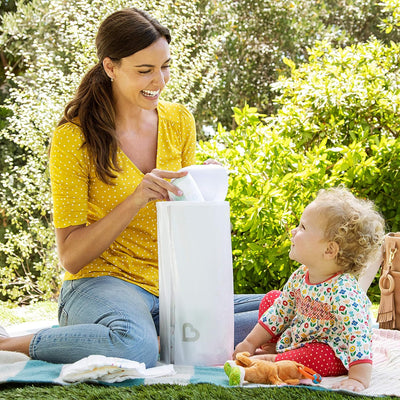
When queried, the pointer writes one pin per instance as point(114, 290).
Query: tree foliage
point(53, 42)
point(227, 53)
point(330, 118)
point(391, 21)
point(337, 124)
point(259, 35)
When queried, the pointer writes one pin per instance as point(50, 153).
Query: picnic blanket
point(16, 367)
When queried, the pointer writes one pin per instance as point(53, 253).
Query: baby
point(321, 318)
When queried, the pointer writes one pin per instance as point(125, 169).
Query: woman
point(111, 157)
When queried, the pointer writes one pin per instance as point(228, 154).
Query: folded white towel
point(110, 369)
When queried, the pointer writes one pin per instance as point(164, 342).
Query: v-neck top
point(80, 197)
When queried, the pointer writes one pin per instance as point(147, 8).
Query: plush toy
point(267, 372)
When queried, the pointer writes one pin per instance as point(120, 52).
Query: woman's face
point(139, 79)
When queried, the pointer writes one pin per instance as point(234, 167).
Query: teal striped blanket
point(16, 367)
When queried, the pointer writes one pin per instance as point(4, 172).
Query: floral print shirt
point(335, 312)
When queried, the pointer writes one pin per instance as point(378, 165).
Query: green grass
point(166, 392)
point(10, 315)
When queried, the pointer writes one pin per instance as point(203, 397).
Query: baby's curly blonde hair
point(354, 224)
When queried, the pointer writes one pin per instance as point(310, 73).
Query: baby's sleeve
point(353, 311)
point(278, 317)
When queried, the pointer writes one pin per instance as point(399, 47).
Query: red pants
point(318, 356)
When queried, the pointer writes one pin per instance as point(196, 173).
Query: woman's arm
point(78, 245)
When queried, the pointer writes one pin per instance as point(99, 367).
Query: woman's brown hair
point(121, 34)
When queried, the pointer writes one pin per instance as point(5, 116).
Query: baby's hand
point(244, 346)
point(349, 384)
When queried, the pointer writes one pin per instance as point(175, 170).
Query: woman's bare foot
point(17, 343)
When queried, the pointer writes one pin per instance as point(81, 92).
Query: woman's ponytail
point(121, 34)
point(93, 111)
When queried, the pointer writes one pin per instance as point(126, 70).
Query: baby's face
point(308, 241)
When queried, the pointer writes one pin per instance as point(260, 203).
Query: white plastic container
point(195, 273)
point(202, 183)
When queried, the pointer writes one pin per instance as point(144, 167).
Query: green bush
point(271, 180)
point(51, 44)
point(343, 95)
point(337, 123)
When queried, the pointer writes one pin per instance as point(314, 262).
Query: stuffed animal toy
point(267, 372)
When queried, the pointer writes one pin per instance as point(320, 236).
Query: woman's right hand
point(154, 186)
point(78, 245)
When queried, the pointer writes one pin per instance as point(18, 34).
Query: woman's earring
point(112, 79)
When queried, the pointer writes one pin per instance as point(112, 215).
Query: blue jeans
point(115, 318)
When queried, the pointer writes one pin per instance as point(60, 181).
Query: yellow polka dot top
point(79, 197)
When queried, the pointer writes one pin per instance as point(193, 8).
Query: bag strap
point(386, 281)
point(386, 313)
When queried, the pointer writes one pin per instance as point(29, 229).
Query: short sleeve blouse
point(80, 197)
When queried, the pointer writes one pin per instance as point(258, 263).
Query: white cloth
point(110, 369)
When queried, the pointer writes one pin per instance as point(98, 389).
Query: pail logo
point(189, 333)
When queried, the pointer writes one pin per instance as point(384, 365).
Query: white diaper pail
point(195, 270)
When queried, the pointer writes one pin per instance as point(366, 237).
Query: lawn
point(10, 315)
point(166, 392)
